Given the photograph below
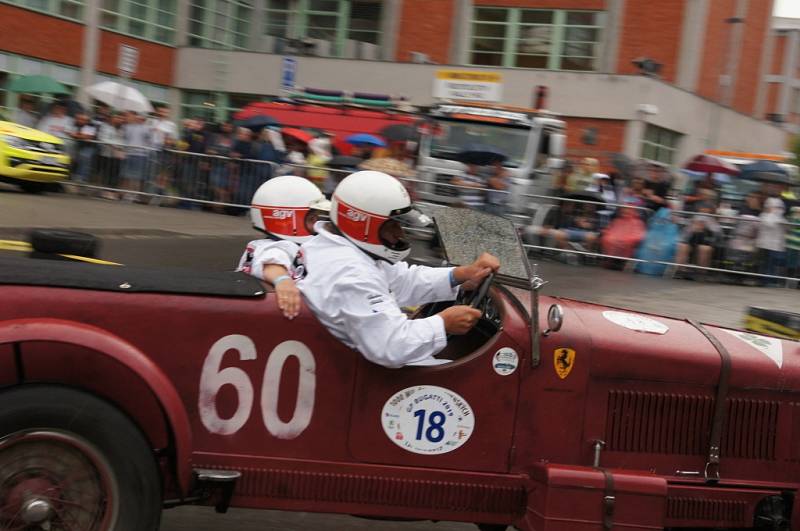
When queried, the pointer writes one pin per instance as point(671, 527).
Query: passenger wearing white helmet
point(285, 209)
point(355, 282)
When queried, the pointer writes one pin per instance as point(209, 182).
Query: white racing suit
point(262, 252)
point(358, 298)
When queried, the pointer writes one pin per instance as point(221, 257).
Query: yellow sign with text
point(563, 361)
point(469, 75)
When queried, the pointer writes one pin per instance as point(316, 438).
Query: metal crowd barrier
point(180, 178)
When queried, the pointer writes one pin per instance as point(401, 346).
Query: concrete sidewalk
point(159, 236)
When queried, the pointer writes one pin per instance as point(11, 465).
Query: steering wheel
point(482, 291)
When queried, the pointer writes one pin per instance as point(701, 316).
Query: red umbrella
point(298, 134)
point(711, 164)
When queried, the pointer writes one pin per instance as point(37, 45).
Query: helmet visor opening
point(411, 217)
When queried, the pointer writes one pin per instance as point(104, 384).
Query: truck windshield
point(456, 135)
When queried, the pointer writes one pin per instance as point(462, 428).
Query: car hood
point(28, 133)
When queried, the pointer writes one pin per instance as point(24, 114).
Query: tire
point(66, 455)
point(64, 242)
point(30, 187)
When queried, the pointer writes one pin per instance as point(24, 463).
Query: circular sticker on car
point(427, 419)
point(505, 361)
point(634, 321)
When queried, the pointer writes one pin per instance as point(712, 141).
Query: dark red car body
point(226, 383)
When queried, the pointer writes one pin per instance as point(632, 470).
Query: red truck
point(125, 390)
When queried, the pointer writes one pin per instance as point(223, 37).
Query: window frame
point(299, 12)
point(124, 16)
point(52, 8)
point(559, 28)
point(228, 10)
point(657, 146)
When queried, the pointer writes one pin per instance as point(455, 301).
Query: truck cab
point(532, 140)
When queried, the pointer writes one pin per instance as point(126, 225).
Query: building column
point(634, 132)
point(615, 14)
point(91, 42)
point(763, 84)
point(459, 36)
point(792, 54)
point(695, 20)
point(390, 28)
point(182, 23)
point(730, 76)
point(254, 40)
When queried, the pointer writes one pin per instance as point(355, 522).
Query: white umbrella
point(120, 96)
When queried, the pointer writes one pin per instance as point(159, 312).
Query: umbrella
point(344, 162)
point(710, 164)
point(120, 96)
point(258, 122)
point(399, 133)
point(37, 85)
point(481, 154)
point(365, 139)
point(766, 172)
point(298, 134)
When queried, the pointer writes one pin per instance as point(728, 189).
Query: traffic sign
point(127, 60)
point(289, 73)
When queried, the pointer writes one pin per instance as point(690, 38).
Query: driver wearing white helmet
point(285, 209)
point(355, 282)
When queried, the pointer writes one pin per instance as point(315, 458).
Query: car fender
point(104, 343)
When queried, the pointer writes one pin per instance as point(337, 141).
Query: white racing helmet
point(280, 206)
point(363, 202)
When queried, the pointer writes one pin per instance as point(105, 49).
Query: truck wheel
point(64, 241)
point(69, 460)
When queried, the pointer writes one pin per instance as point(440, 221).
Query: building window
point(223, 24)
point(146, 19)
point(536, 38)
point(214, 106)
point(336, 28)
point(71, 9)
point(660, 145)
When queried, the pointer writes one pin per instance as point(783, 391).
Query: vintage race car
point(126, 390)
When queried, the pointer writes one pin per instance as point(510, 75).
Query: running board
point(210, 484)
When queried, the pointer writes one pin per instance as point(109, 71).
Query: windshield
point(455, 135)
point(466, 233)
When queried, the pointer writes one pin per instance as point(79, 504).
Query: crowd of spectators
point(643, 212)
point(652, 215)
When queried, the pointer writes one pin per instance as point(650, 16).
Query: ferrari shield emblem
point(563, 360)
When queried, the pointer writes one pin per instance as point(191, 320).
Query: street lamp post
point(725, 83)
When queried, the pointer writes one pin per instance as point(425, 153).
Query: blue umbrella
point(480, 154)
point(365, 139)
point(259, 122)
point(765, 171)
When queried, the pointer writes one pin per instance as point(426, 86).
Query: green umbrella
point(37, 85)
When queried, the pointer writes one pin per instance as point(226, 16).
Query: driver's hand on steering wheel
point(459, 319)
point(470, 276)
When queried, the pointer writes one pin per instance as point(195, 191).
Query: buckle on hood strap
point(711, 471)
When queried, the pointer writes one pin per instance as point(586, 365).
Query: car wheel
point(69, 460)
point(32, 187)
point(64, 242)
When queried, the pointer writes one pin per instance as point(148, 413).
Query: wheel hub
point(36, 511)
point(52, 479)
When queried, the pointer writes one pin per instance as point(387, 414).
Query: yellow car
point(31, 158)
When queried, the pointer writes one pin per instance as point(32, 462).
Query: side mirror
point(555, 319)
